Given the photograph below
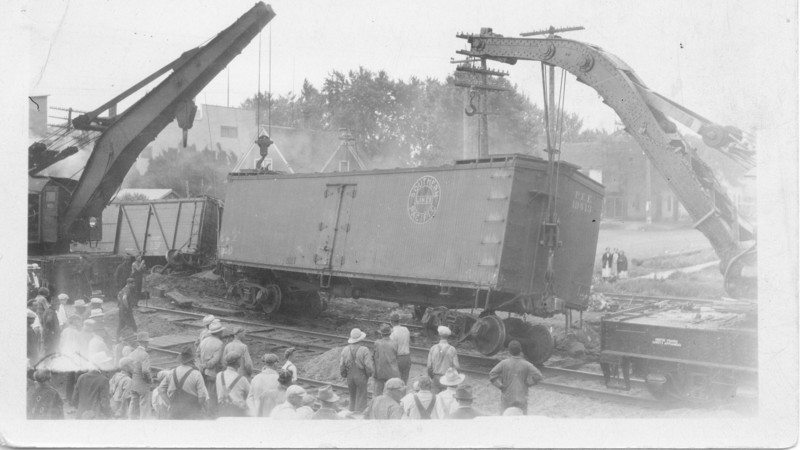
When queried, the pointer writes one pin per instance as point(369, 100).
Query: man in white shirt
point(402, 337)
point(422, 404)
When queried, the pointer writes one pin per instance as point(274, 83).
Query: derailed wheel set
point(471, 235)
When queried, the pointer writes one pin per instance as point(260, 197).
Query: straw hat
point(513, 411)
point(215, 327)
point(444, 331)
point(356, 335)
point(208, 319)
point(63, 297)
point(96, 313)
point(96, 301)
point(79, 303)
point(452, 378)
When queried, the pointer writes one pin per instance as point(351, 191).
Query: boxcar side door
point(327, 227)
point(343, 224)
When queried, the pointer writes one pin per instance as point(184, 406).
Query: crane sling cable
point(551, 162)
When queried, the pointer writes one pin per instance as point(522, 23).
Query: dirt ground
point(342, 316)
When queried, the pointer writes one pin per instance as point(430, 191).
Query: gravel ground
point(339, 319)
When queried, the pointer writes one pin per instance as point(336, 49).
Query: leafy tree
point(414, 122)
point(187, 172)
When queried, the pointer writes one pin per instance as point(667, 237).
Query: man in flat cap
point(387, 406)
point(265, 388)
point(237, 346)
point(441, 357)
point(186, 389)
point(384, 359)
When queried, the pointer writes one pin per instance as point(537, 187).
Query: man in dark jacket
point(465, 409)
point(44, 402)
point(51, 327)
point(387, 406)
point(327, 399)
point(384, 359)
point(125, 302)
point(91, 391)
point(513, 376)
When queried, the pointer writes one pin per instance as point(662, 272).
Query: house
point(144, 194)
point(347, 157)
point(235, 130)
point(619, 163)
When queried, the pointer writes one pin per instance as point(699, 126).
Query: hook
point(472, 110)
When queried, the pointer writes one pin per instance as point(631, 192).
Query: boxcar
point(474, 233)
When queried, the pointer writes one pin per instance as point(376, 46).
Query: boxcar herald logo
point(423, 200)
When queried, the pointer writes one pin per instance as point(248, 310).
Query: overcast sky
point(719, 58)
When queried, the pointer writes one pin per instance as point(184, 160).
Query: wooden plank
point(179, 299)
point(217, 311)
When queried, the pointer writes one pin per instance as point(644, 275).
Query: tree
point(187, 171)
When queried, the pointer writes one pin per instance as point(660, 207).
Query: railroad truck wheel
point(489, 335)
point(536, 340)
point(269, 298)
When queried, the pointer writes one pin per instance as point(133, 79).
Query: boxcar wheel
point(269, 298)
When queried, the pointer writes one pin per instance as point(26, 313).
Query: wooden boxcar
point(461, 235)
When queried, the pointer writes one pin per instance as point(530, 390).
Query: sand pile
point(324, 367)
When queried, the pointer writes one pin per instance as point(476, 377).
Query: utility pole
point(477, 85)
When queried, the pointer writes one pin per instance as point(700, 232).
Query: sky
point(714, 57)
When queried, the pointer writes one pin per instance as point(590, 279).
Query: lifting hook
point(472, 110)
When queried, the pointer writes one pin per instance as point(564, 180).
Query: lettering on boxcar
point(582, 201)
point(667, 342)
point(423, 200)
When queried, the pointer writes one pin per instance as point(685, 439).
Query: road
point(647, 244)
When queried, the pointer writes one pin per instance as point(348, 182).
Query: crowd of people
point(216, 377)
point(614, 265)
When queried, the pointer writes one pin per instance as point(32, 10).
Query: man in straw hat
point(140, 379)
point(387, 405)
point(355, 364)
point(96, 303)
point(44, 401)
point(384, 359)
point(464, 409)
point(446, 400)
point(441, 357)
point(81, 309)
point(402, 338)
point(209, 362)
point(186, 389)
point(61, 311)
point(125, 302)
point(91, 394)
point(237, 346)
point(207, 319)
point(327, 399)
point(513, 376)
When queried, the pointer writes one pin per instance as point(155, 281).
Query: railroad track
point(314, 343)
